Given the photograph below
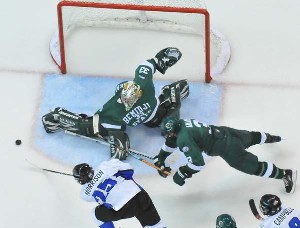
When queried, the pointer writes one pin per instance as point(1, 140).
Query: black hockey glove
point(160, 162)
point(182, 173)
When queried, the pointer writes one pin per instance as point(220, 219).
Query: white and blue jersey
point(286, 218)
point(112, 185)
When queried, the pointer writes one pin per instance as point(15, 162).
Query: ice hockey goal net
point(181, 16)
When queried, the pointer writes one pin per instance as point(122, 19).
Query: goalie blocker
point(170, 102)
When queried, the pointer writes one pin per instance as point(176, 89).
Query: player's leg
point(250, 138)
point(62, 119)
point(237, 157)
point(140, 206)
point(234, 153)
point(147, 213)
point(101, 224)
point(107, 225)
point(270, 170)
point(129, 210)
point(103, 221)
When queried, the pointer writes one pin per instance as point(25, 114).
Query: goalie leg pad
point(119, 144)
point(62, 119)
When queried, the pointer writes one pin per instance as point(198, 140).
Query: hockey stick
point(149, 163)
point(133, 153)
point(254, 210)
point(107, 143)
point(49, 170)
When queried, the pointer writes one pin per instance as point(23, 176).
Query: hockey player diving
point(193, 137)
point(133, 103)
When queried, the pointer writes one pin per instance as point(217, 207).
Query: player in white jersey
point(112, 186)
point(279, 216)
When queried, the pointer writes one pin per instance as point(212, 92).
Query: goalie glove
point(160, 162)
point(166, 58)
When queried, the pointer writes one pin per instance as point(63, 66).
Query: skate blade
point(294, 177)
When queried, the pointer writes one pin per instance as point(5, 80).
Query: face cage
point(264, 210)
point(128, 102)
point(86, 173)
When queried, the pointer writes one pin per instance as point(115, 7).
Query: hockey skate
point(289, 180)
point(272, 138)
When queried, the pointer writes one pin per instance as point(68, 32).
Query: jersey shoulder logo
point(185, 149)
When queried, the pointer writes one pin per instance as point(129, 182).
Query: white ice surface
point(260, 91)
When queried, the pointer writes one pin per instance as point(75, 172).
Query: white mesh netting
point(86, 14)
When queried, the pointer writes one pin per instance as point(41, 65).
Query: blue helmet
point(169, 125)
point(225, 221)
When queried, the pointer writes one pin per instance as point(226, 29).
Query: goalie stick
point(134, 153)
point(254, 210)
point(107, 143)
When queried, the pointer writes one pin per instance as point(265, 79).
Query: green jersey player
point(133, 103)
point(193, 137)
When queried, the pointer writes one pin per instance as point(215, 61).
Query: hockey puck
point(18, 142)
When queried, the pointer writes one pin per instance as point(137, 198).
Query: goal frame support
point(204, 12)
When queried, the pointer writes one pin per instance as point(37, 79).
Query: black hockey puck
point(18, 142)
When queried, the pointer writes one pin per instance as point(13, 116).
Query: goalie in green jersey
point(134, 103)
point(193, 137)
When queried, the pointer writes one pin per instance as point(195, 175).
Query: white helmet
point(131, 92)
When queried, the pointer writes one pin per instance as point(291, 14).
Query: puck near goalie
point(133, 103)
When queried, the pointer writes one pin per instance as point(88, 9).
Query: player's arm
point(164, 59)
point(144, 73)
point(120, 168)
point(167, 149)
point(194, 165)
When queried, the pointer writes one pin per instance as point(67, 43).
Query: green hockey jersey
point(192, 139)
point(113, 114)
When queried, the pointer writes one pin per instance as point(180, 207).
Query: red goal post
point(57, 45)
